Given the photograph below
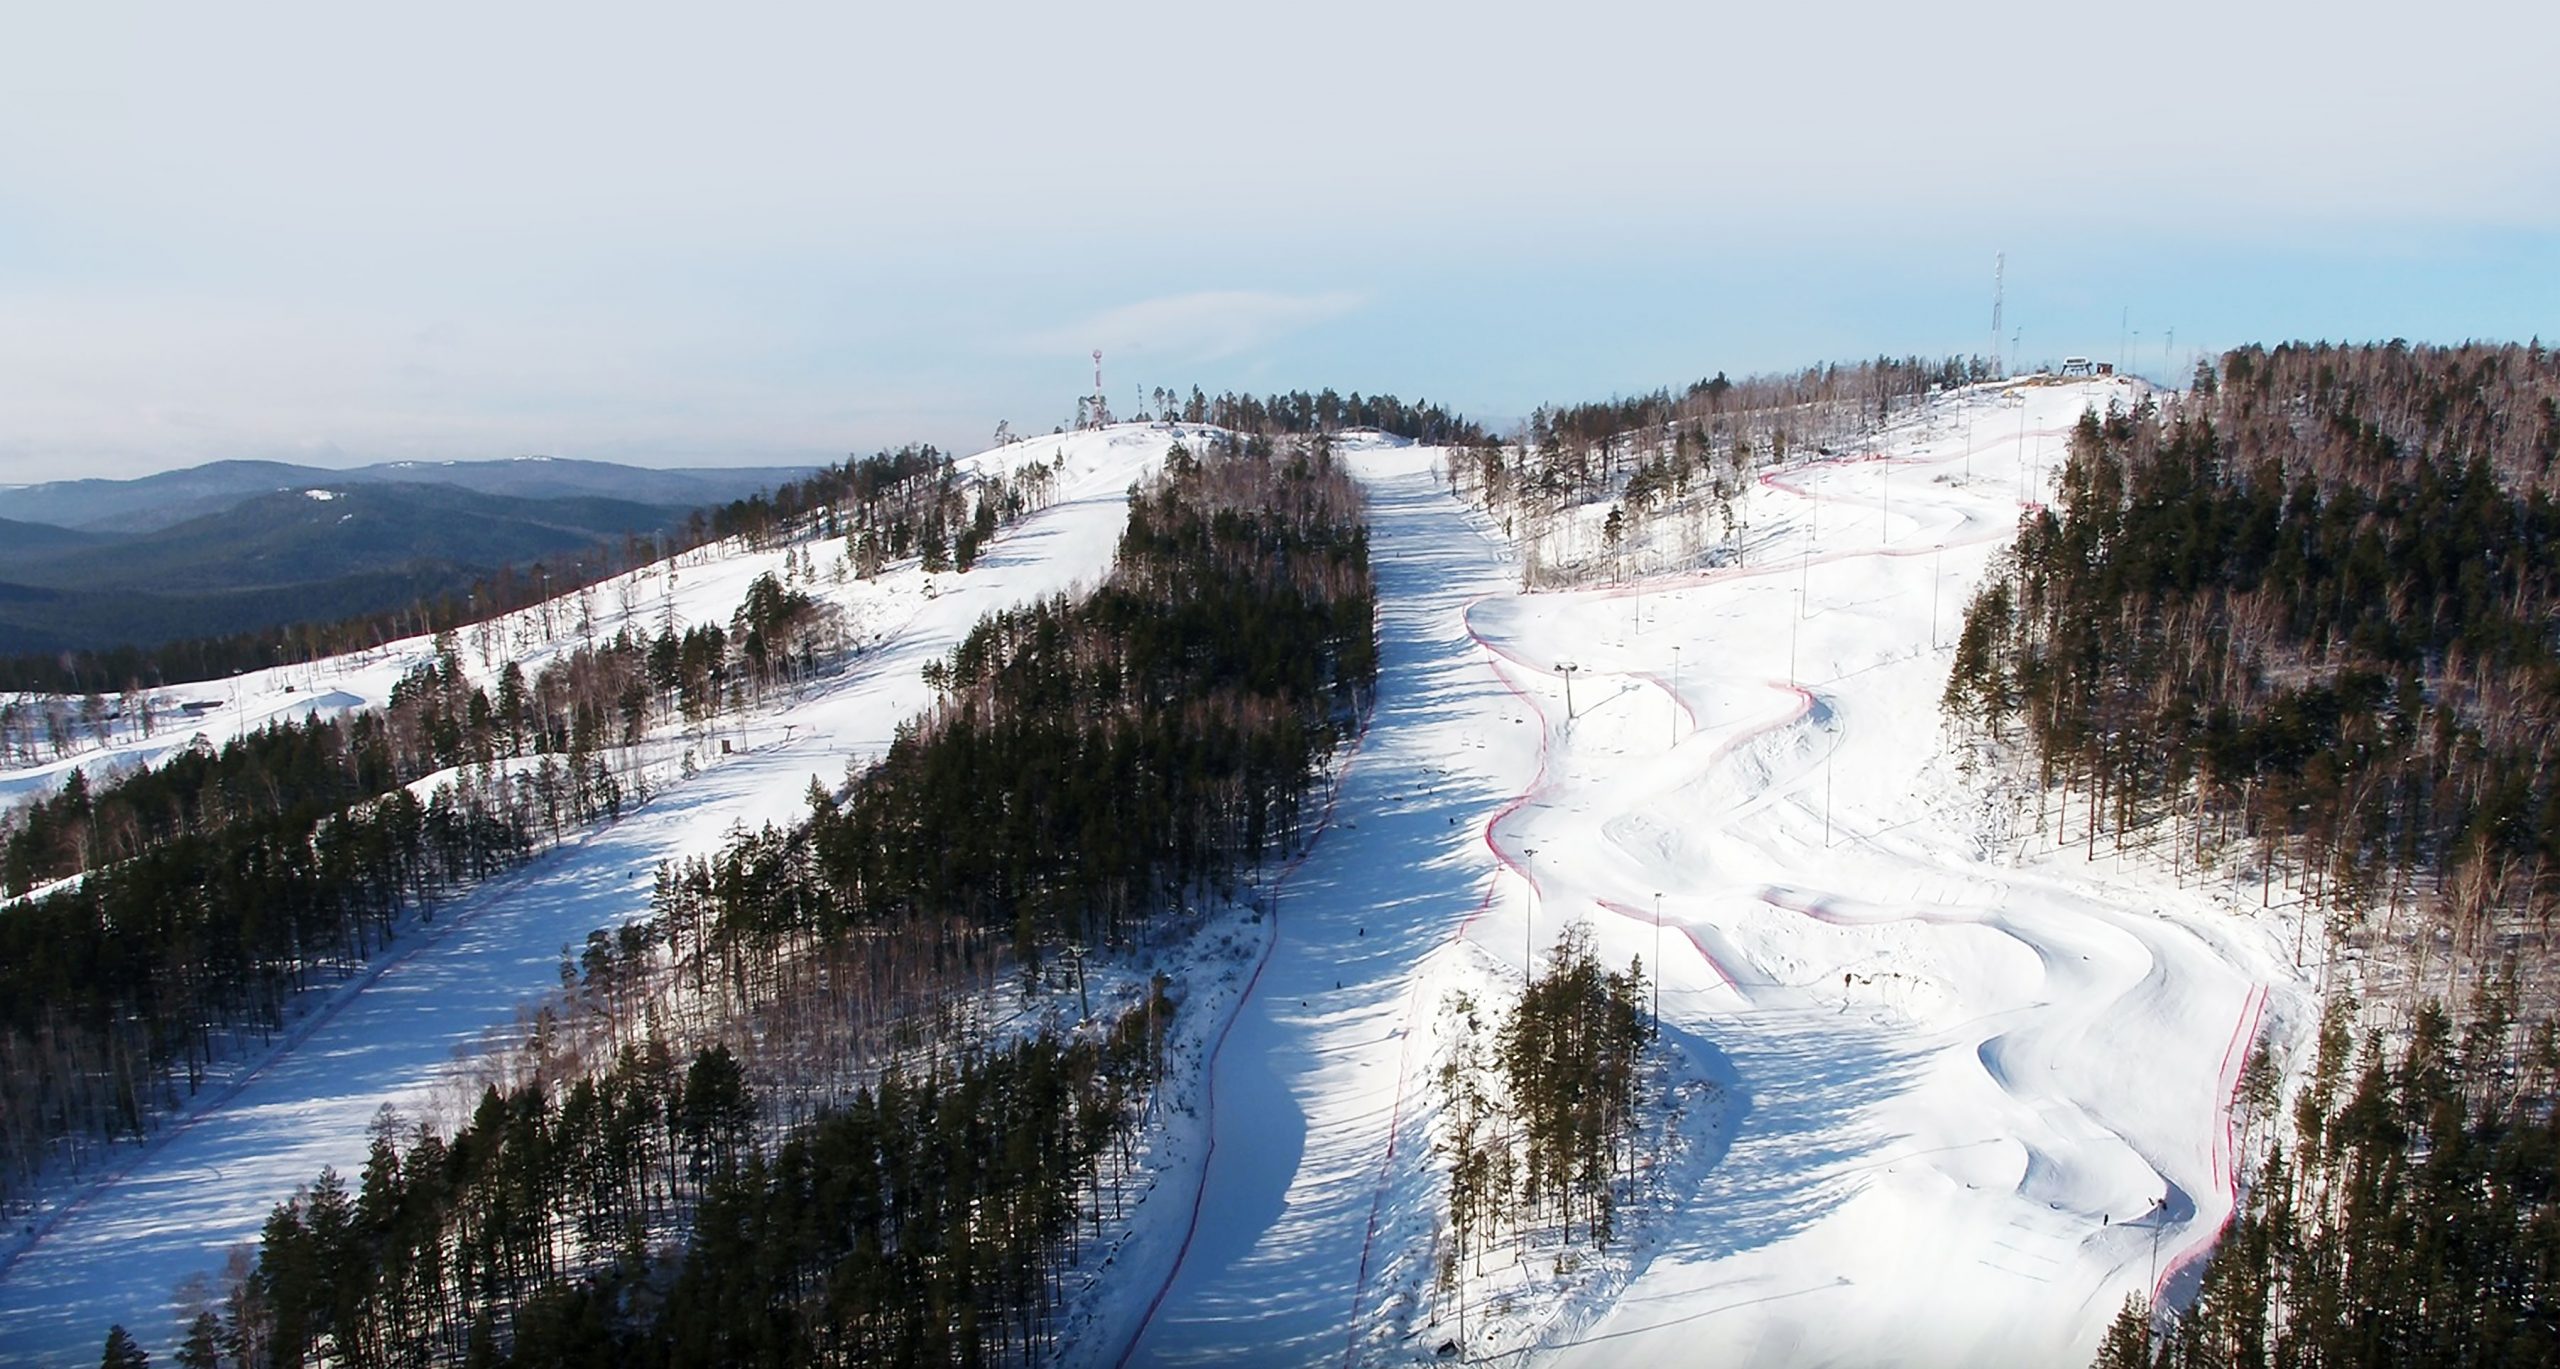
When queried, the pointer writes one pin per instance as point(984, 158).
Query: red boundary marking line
point(1538, 785)
point(1386, 1165)
point(1641, 916)
point(1404, 1053)
point(1209, 1112)
point(1819, 910)
point(2226, 1176)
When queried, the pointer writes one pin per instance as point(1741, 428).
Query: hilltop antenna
point(1999, 291)
point(1101, 411)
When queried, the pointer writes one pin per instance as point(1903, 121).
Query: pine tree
point(123, 1352)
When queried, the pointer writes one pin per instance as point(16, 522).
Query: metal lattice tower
point(1101, 413)
point(1999, 289)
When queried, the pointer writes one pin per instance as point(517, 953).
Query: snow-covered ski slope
point(1959, 1066)
point(120, 1247)
point(1975, 1088)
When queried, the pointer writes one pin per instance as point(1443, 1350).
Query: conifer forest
point(2301, 618)
point(749, 1137)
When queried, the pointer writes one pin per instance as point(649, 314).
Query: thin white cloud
point(1205, 325)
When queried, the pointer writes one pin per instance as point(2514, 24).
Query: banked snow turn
point(1971, 1089)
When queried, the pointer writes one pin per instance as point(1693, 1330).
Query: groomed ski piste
point(1950, 1092)
point(1949, 1089)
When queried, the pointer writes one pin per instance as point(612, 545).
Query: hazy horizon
point(621, 233)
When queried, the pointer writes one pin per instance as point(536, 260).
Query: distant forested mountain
point(172, 497)
point(289, 556)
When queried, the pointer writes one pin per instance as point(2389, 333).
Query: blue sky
point(647, 233)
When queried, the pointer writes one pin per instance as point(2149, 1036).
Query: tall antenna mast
point(1999, 291)
point(1101, 411)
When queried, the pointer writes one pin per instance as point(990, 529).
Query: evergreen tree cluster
point(1300, 414)
point(2309, 608)
point(925, 1221)
point(1089, 765)
point(1538, 1123)
point(2416, 1220)
point(1688, 453)
point(219, 883)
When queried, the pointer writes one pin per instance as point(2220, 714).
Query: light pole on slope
point(1528, 917)
point(1826, 785)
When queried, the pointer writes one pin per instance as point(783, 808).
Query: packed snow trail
point(1307, 1084)
point(1976, 1086)
point(119, 1251)
point(1979, 1092)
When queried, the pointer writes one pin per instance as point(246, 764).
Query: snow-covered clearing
point(123, 1242)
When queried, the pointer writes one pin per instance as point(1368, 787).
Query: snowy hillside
point(125, 1240)
point(1949, 1090)
point(1947, 1069)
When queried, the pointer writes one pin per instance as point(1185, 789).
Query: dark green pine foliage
point(2309, 612)
point(924, 1222)
point(222, 881)
point(2416, 1221)
point(1558, 1142)
point(123, 1352)
point(1572, 1055)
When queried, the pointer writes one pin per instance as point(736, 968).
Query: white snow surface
point(1940, 1071)
point(1942, 1067)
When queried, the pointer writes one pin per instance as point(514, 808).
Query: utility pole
point(1937, 572)
point(1528, 917)
point(1999, 291)
point(1794, 625)
point(2022, 449)
point(1884, 519)
point(1826, 785)
point(1075, 960)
